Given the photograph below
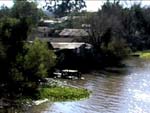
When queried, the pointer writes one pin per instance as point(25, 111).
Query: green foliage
point(37, 61)
point(39, 56)
point(136, 27)
point(118, 48)
point(15, 25)
point(143, 54)
point(4, 11)
point(11, 44)
point(7, 26)
point(31, 66)
point(63, 7)
point(102, 28)
point(26, 10)
point(63, 93)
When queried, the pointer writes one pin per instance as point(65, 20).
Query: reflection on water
point(124, 92)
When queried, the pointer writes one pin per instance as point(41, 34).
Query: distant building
point(43, 31)
point(73, 33)
point(49, 22)
point(71, 55)
point(57, 39)
point(77, 47)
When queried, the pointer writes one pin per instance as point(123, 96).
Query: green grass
point(63, 93)
point(143, 54)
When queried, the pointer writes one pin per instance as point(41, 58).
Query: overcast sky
point(92, 5)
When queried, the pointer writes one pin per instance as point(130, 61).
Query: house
point(71, 49)
point(73, 33)
point(78, 35)
point(71, 55)
point(74, 46)
point(43, 31)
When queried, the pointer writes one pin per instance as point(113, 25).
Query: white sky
point(92, 5)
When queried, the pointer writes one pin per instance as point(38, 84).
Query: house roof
point(73, 32)
point(51, 21)
point(69, 45)
point(57, 39)
point(61, 39)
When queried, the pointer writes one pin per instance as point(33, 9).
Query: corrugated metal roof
point(73, 32)
point(69, 45)
point(61, 39)
point(64, 45)
point(57, 39)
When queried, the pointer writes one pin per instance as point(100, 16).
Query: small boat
point(68, 73)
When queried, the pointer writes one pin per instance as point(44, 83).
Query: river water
point(127, 90)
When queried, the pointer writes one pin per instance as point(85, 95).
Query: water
point(127, 91)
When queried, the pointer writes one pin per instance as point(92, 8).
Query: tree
point(136, 27)
point(38, 59)
point(63, 7)
point(11, 44)
point(103, 28)
point(106, 34)
point(4, 11)
point(33, 65)
point(15, 26)
point(118, 49)
point(26, 10)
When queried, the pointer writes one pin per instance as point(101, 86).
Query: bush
point(118, 48)
point(38, 59)
point(33, 65)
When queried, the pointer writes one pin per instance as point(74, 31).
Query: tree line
point(22, 63)
point(116, 31)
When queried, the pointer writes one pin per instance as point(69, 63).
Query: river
point(124, 91)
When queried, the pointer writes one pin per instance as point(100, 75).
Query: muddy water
point(127, 90)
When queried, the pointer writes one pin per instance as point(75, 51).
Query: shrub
point(33, 65)
point(118, 48)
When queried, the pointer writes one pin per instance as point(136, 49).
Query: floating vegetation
point(56, 90)
point(144, 54)
point(63, 93)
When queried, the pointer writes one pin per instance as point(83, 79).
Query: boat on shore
point(68, 73)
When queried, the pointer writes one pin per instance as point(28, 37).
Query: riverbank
point(52, 91)
point(124, 92)
point(142, 54)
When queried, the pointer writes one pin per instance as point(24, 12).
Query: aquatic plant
point(143, 54)
point(64, 93)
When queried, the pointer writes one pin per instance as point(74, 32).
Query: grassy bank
point(59, 93)
point(143, 54)
point(56, 90)
point(53, 91)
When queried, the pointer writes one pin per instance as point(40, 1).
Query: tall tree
point(26, 10)
point(103, 28)
point(63, 7)
point(4, 11)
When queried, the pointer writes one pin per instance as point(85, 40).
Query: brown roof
point(73, 32)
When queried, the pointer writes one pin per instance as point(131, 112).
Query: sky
point(92, 5)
